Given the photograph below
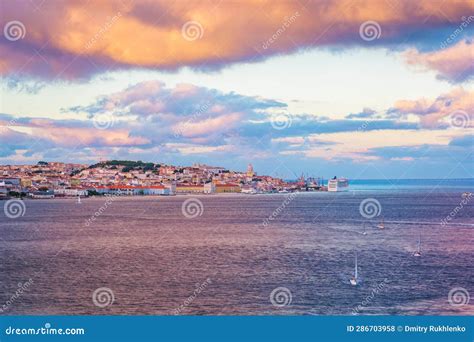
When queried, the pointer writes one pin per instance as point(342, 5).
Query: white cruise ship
point(338, 184)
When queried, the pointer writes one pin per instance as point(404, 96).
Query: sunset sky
point(359, 88)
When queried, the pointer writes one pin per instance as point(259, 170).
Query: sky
point(354, 88)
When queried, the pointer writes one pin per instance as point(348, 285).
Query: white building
point(209, 188)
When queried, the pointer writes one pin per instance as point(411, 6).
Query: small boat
point(381, 225)
point(354, 280)
point(418, 248)
point(364, 232)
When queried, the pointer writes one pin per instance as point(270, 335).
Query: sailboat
point(78, 199)
point(365, 230)
point(381, 225)
point(418, 249)
point(355, 279)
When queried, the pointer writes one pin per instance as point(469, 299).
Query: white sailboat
point(78, 199)
point(381, 225)
point(418, 249)
point(354, 280)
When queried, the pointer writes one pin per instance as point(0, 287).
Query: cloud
point(33, 135)
point(363, 145)
point(454, 63)
point(464, 141)
point(82, 38)
point(149, 119)
point(366, 113)
point(455, 108)
point(165, 114)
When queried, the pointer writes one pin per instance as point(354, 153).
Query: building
point(3, 190)
point(250, 172)
point(189, 189)
point(127, 190)
point(42, 194)
point(70, 192)
point(209, 188)
point(248, 189)
point(227, 188)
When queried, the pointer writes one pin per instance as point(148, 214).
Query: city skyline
point(384, 91)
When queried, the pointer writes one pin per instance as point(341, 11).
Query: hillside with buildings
point(135, 178)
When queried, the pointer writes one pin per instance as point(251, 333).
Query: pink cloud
point(455, 105)
point(456, 63)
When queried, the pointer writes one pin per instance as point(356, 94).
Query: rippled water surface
point(153, 258)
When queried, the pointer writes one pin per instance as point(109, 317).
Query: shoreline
point(351, 192)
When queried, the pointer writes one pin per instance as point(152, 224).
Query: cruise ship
point(338, 184)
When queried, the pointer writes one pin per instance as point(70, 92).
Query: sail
point(355, 272)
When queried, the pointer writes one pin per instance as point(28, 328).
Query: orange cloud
point(80, 38)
